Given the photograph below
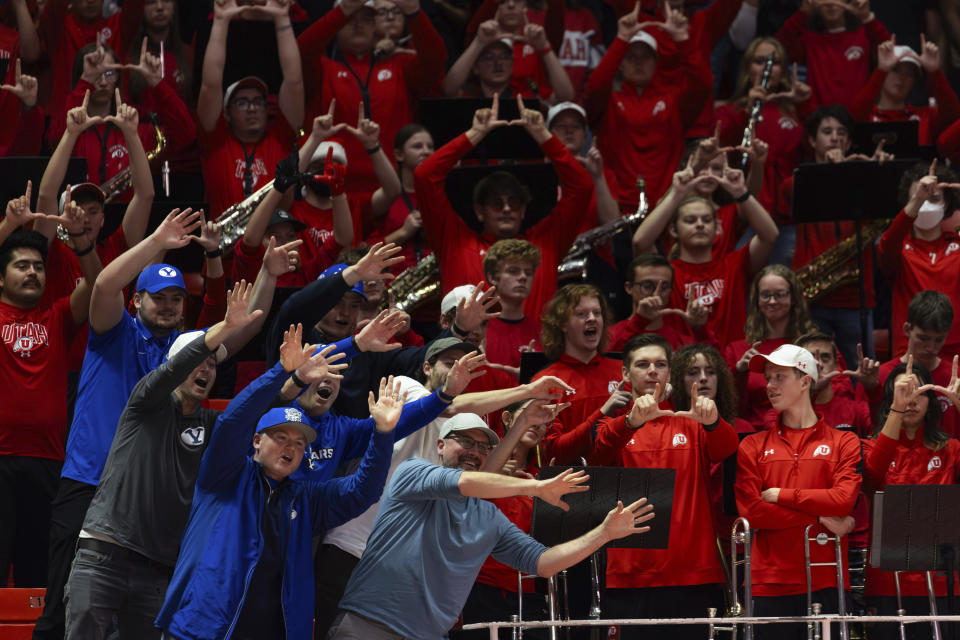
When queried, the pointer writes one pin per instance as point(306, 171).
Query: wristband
point(289, 25)
point(296, 380)
point(892, 410)
point(214, 254)
point(374, 150)
point(742, 198)
point(547, 49)
point(456, 330)
point(84, 252)
point(355, 344)
point(445, 397)
point(711, 427)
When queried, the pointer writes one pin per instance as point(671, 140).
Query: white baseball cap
point(787, 355)
point(189, 336)
point(339, 153)
point(248, 82)
point(368, 4)
point(560, 107)
point(906, 54)
point(453, 298)
point(465, 422)
point(645, 38)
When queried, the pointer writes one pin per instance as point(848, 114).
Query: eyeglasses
point(490, 58)
point(108, 75)
point(647, 287)
point(502, 203)
point(245, 104)
point(394, 12)
point(469, 443)
point(779, 296)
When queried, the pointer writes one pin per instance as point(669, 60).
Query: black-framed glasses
point(779, 296)
point(469, 443)
point(648, 287)
point(389, 12)
point(246, 104)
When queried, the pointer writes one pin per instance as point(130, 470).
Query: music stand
point(551, 525)
point(854, 191)
point(901, 138)
point(17, 170)
point(447, 118)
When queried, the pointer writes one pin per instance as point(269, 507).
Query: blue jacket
point(222, 542)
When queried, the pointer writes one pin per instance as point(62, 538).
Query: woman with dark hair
point(910, 448)
point(160, 25)
point(786, 104)
point(777, 315)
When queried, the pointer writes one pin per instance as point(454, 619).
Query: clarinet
point(755, 111)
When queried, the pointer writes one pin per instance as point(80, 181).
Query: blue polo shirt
point(114, 363)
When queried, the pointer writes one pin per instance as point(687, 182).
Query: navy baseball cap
point(287, 416)
point(158, 277)
point(337, 268)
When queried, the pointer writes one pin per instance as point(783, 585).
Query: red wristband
point(547, 49)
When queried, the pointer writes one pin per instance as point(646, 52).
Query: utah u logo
point(822, 450)
point(934, 463)
point(679, 439)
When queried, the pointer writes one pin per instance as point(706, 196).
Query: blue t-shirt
point(426, 549)
point(114, 363)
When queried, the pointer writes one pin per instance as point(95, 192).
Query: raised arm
point(210, 98)
point(761, 245)
point(72, 219)
point(599, 87)
point(556, 74)
point(459, 72)
point(368, 133)
point(653, 226)
point(291, 95)
point(137, 215)
point(425, 72)
point(30, 48)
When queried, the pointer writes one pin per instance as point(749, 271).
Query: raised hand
point(238, 298)
point(488, 31)
point(78, 120)
point(377, 260)
point(209, 234)
point(367, 131)
point(73, 218)
point(174, 231)
point(695, 315)
point(486, 120)
point(531, 120)
point(928, 187)
point(94, 63)
point(758, 151)
point(287, 172)
point(593, 161)
point(319, 366)
point(548, 388)
point(952, 390)
point(24, 87)
point(886, 57)
point(228, 9)
point(860, 9)
point(535, 35)
point(686, 179)
point(743, 364)
point(18, 209)
point(798, 92)
point(323, 126)
point(617, 401)
point(867, 372)
point(674, 23)
point(629, 24)
point(474, 309)
point(929, 55)
point(275, 9)
point(732, 180)
point(283, 259)
point(907, 389)
point(334, 175)
point(150, 66)
point(463, 371)
point(702, 409)
point(622, 521)
point(538, 412)
point(552, 491)
point(647, 407)
point(126, 118)
point(388, 406)
point(376, 335)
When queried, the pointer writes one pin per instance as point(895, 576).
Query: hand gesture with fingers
point(860, 9)
point(907, 389)
point(283, 259)
point(293, 353)
point(552, 490)
point(228, 9)
point(674, 23)
point(952, 390)
point(378, 332)
point(732, 180)
point(758, 151)
point(78, 120)
point(593, 161)
point(238, 299)
point(647, 408)
point(538, 412)
point(629, 24)
point(150, 66)
point(126, 118)
point(928, 187)
point(535, 35)
point(867, 372)
point(886, 56)
point(367, 131)
point(929, 54)
point(622, 521)
point(798, 92)
point(18, 209)
point(474, 309)
point(548, 388)
point(323, 126)
point(94, 63)
point(388, 406)
point(174, 232)
point(702, 409)
point(24, 87)
point(321, 365)
point(743, 364)
point(707, 150)
point(73, 218)
point(530, 119)
point(488, 31)
point(486, 120)
point(375, 264)
point(209, 234)
point(464, 370)
point(695, 315)
point(617, 401)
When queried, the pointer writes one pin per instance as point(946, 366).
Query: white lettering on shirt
point(25, 338)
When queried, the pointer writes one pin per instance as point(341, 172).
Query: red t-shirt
point(320, 221)
point(507, 339)
point(394, 219)
point(34, 379)
point(674, 330)
point(247, 261)
point(684, 445)
point(460, 250)
point(580, 35)
point(912, 265)
point(519, 511)
point(721, 285)
point(225, 161)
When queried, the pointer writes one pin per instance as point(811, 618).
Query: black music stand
point(16, 170)
point(856, 190)
point(447, 118)
point(917, 528)
point(901, 138)
point(540, 178)
point(552, 525)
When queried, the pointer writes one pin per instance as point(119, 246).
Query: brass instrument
point(121, 183)
point(574, 264)
point(830, 270)
point(814, 629)
point(417, 284)
point(755, 111)
point(233, 220)
point(740, 534)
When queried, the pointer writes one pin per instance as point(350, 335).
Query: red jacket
point(669, 443)
point(949, 142)
point(906, 461)
point(818, 472)
point(460, 249)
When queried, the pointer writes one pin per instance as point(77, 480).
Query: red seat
point(20, 605)
point(217, 404)
point(16, 631)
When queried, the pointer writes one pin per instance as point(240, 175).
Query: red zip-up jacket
point(669, 443)
point(907, 461)
point(818, 471)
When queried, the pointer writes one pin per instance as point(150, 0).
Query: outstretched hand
point(388, 406)
point(702, 409)
point(374, 264)
point(553, 489)
point(174, 232)
point(376, 335)
point(18, 209)
point(464, 370)
point(238, 299)
point(319, 366)
point(867, 372)
point(283, 259)
point(622, 521)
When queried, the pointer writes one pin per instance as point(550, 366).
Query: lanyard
point(418, 236)
point(102, 168)
point(248, 168)
point(363, 84)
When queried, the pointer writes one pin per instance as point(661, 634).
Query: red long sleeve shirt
point(721, 285)
point(640, 132)
point(838, 63)
point(670, 443)
point(818, 472)
point(393, 83)
point(460, 249)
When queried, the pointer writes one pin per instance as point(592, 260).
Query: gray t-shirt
point(144, 496)
point(426, 549)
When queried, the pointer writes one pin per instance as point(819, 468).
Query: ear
point(625, 373)
point(137, 300)
point(506, 418)
point(257, 437)
point(398, 155)
point(627, 286)
point(427, 368)
point(906, 329)
point(440, 447)
point(478, 211)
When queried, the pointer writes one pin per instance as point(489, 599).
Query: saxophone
point(120, 183)
point(832, 269)
point(417, 284)
point(574, 264)
point(233, 220)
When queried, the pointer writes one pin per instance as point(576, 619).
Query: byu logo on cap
point(167, 272)
point(292, 415)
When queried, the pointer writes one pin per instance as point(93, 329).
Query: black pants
point(663, 602)
point(491, 604)
point(27, 487)
point(914, 606)
point(69, 509)
point(332, 567)
point(777, 606)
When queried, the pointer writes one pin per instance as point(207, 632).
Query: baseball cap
point(286, 416)
point(787, 355)
point(465, 422)
point(560, 107)
point(189, 336)
point(445, 344)
point(280, 216)
point(645, 38)
point(339, 153)
point(507, 42)
point(157, 277)
point(337, 268)
point(249, 82)
point(454, 296)
point(83, 191)
point(906, 54)
point(368, 4)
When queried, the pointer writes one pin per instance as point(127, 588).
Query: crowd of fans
point(225, 417)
